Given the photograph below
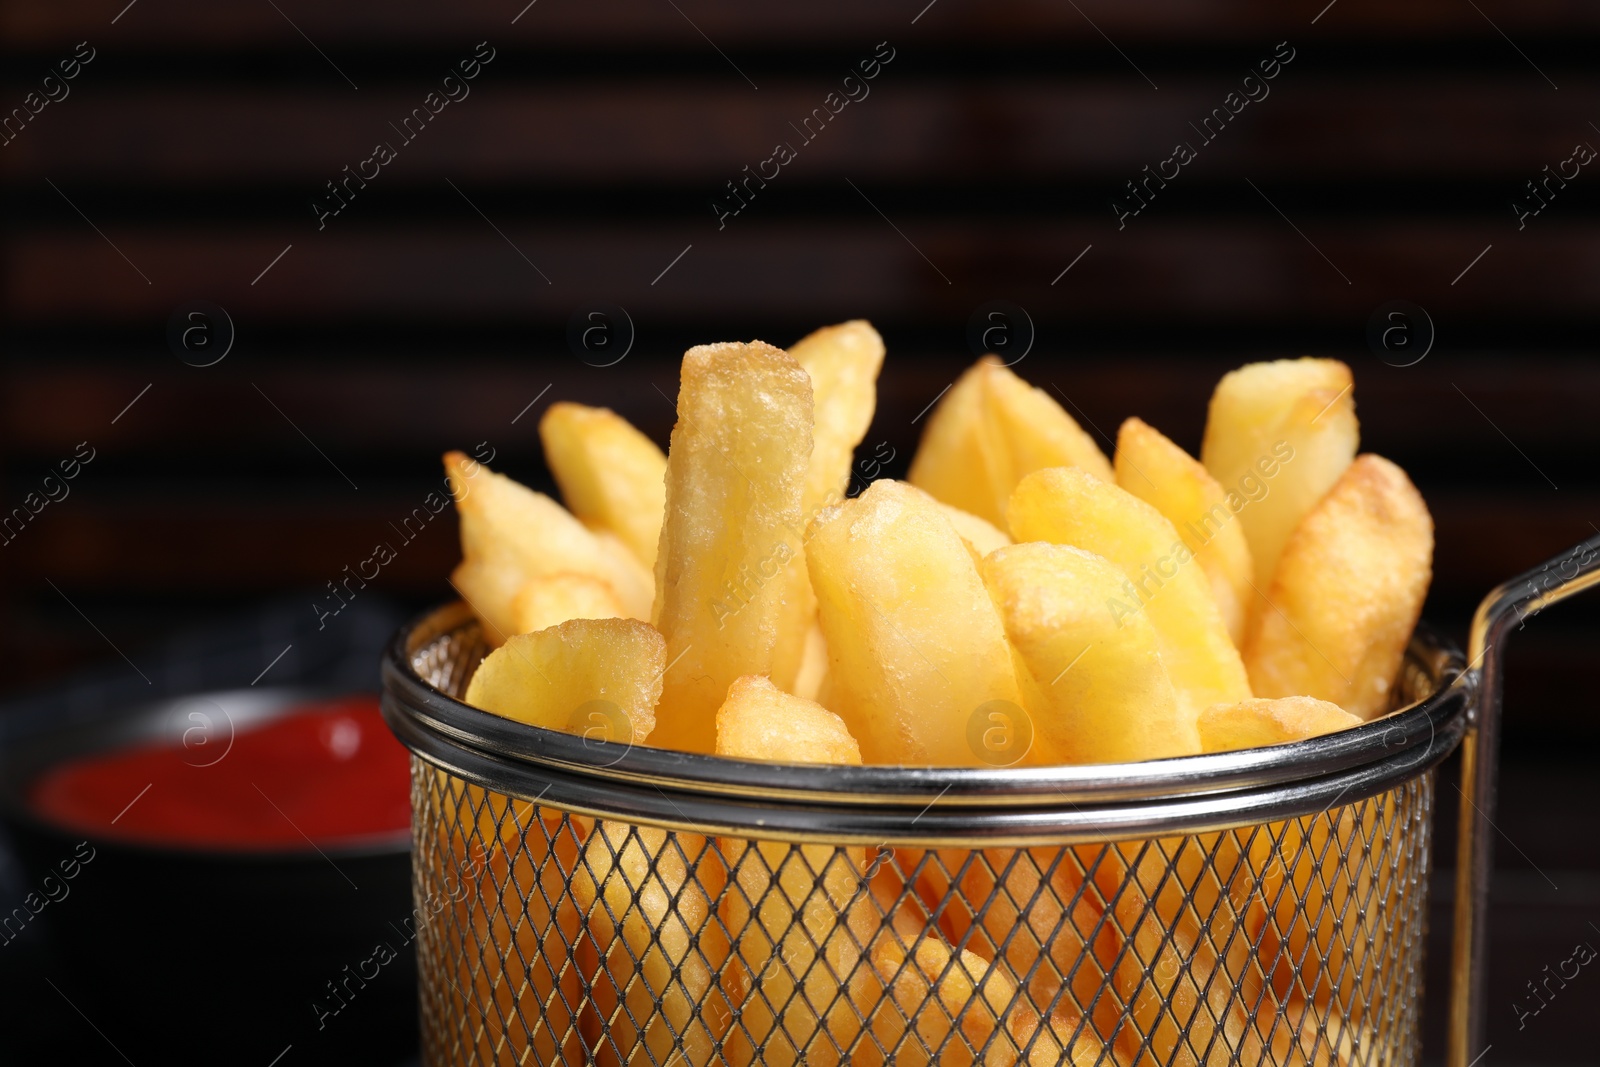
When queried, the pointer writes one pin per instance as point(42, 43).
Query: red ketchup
point(322, 773)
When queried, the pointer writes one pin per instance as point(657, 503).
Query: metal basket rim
point(609, 778)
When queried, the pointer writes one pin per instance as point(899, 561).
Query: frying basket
point(586, 901)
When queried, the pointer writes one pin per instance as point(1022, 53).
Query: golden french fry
point(1313, 1036)
point(1066, 506)
point(1066, 1042)
point(648, 904)
point(790, 920)
point(611, 475)
point(981, 534)
point(1347, 593)
point(843, 363)
point(512, 536)
point(1322, 930)
point(916, 647)
point(1278, 436)
point(1103, 694)
point(599, 678)
point(1019, 899)
point(1262, 721)
point(1166, 477)
point(812, 677)
point(544, 602)
point(1188, 979)
point(957, 1001)
point(1037, 432)
point(990, 431)
point(525, 1002)
point(761, 721)
point(736, 473)
point(949, 464)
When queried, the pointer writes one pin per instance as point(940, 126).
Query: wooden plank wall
point(581, 165)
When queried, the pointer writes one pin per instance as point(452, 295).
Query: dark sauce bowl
point(191, 953)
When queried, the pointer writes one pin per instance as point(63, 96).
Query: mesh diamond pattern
point(551, 938)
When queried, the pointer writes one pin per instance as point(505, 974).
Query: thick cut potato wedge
point(544, 602)
point(598, 678)
point(1277, 437)
point(916, 647)
point(843, 363)
point(1166, 477)
point(1037, 431)
point(648, 903)
point(949, 464)
point(982, 535)
point(1347, 593)
point(1260, 722)
point(512, 536)
point(1067, 506)
point(789, 914)
point(990, 431)
point(736, 474)
point(611, 476)
point(1103, 694)
point(761, 721)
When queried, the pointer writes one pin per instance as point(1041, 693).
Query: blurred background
point(561, 225)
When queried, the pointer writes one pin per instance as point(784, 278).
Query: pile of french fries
point(726, 597)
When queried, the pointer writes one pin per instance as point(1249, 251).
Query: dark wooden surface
point(433, 310)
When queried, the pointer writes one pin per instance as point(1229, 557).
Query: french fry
point(1188, 978)
point(1019, 900)
point(957, 1000)
point(1278, 436)
point(789, 913)
point(1307, 907)
point(736, 474)
point(1067, 506)
point(526, 1002)
point(982, 535)
point(915, 645)
point(843, 363)
point(599, 678)
point(611, 476)
point(1103, 694)
point(556, 598)
point(949, 463)
point(1347, 593)
point(1037, 432)
point(512, 536)
point(990, 431)
point(812, 677)
point(1260, 722)
point(1166, 477)
point(1067, 1041)
point(648, 902)
point(1321, 929)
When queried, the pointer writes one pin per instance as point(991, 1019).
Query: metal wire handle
point(1504, 610)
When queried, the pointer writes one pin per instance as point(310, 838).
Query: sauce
point(328, 772)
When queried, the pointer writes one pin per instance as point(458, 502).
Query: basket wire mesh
point(552, 937)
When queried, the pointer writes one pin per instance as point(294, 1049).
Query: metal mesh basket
point(582, 901)
point(738, 925)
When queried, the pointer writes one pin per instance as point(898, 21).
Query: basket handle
point(1505, 609)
